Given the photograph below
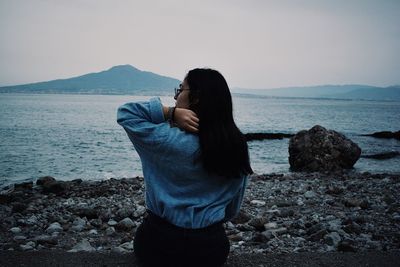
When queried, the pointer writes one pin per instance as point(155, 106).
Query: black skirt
point(160, 243)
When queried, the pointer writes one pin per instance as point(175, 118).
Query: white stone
point(119, 250)
point(110, 231)
point(274, 211)
point(257, 203)
point(310, 194)
point(127, 245)
point(54, 227)
point(69, 202)
point(84, 245)
point(366, 236)
point(299, 240)
point(7, 191)
point(279, 231)
point(78, 225)
point(111, 222)
point(334, 225)
point(82, 205)
point(396, 217)
point(270, 225)
point(267, 234)
point(230, 225)
point(79, 221)
point(93, 232)
point(19, 238)
point(25, 247)
point(15, 230)
point(330, 218)
point(31, 243)
point(330, 249)
point(140, 210)
point(296, 249)
point(32, 220)
point(55, 234)
point(316, 217)
point(77, 228)
point(126, 223)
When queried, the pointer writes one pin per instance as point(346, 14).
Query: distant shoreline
point(349, 172)
point(233, 94)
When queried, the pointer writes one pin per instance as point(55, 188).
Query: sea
point(77, 137)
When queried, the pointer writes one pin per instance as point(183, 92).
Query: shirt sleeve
point(143, 122)
point(233, 208)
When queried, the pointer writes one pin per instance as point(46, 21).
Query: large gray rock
point(51, 185)
point(319, 149)
point(27, 186)
point(45, 180)
point(55, 187)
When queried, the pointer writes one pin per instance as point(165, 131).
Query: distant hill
point(123, 79)
point(126, 79)
point(364, 92)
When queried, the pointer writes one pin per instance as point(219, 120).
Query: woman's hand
point(186, 120)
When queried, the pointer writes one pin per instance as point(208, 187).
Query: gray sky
point(253, 43)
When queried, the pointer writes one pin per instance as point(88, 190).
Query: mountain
point(385, 93)
point(123, 79)
point(364, 92)
point(126, 79)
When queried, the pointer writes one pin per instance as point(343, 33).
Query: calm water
point(76, 136)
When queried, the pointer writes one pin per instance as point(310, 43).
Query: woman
point(195, 164)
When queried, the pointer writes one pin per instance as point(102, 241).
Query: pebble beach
point(343, 211)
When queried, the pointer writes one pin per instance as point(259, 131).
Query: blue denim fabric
point(178, 188)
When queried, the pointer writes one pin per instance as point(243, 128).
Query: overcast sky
point(253, 43)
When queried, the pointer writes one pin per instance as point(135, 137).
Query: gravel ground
point(296, 218)
point(306, 259)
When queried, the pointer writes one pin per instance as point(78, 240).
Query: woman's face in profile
point(182, 101)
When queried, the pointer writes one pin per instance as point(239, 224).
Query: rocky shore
point(281, 213)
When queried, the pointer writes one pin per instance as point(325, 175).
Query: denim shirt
point(178, 188)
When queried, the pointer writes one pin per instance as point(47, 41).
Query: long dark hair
point(223, 148)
